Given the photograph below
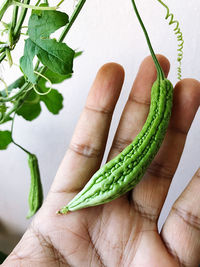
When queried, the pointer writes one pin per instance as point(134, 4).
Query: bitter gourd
point(122, 173)
point(35, 194)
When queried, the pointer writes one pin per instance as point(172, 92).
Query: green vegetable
point(123, 172)
point(35, 194)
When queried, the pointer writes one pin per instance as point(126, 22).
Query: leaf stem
point(157, 64)
point(9, 57)
point(4, 7)
point(33, 7)
point(25, 87)
point(20, 21)
point(17, 105)
point(14, 16)
point(72, 19)
point(60, 3)
point(2, 56)
point(37, 4)
point(6, 86)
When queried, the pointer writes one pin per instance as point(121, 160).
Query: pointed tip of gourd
point(30, 214)
point(62, 211)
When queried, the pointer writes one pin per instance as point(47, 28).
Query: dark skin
point(123, 232)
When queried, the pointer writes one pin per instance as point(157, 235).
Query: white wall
point(106, 31)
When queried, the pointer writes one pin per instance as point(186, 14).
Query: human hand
point(123, 232)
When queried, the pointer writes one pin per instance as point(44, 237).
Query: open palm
point(123, 232)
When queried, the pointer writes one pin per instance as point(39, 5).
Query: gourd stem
point(22, 148)
point(25, 150)
point(160, 72)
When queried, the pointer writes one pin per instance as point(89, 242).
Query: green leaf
point(53, 101)
point(58, 57)
point(26, 62)
point(55, 55)
point(5, 139)
point(3, 108)
point(55, 77)
point(41, 26)
point(77, 54)
point(31, 107)
point(29, 112)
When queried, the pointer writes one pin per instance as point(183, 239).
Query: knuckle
point(101, 110)
point(120, 143)
point(85, 150)
point(139, 100)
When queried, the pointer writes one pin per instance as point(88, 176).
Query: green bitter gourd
point(35, 194)
point(122, 173)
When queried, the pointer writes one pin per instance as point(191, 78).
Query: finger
point(181, 231)
point(150, 194)
point(87, 146)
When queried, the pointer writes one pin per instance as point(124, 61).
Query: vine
point(54, 65)
point(179, 35)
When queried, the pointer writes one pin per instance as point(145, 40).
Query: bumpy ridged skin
point(122, 173)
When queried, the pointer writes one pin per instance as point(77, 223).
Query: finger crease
point(119, 144)
point(84, 150)
point(97, 253)
point(138, 100)
point(174, 254)
point(103, 111)
point(177, 130)
point(190, 219)
point(141, 210)
point(160, 170)
point(56, 256)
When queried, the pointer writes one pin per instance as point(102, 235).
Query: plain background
point(107, 31)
